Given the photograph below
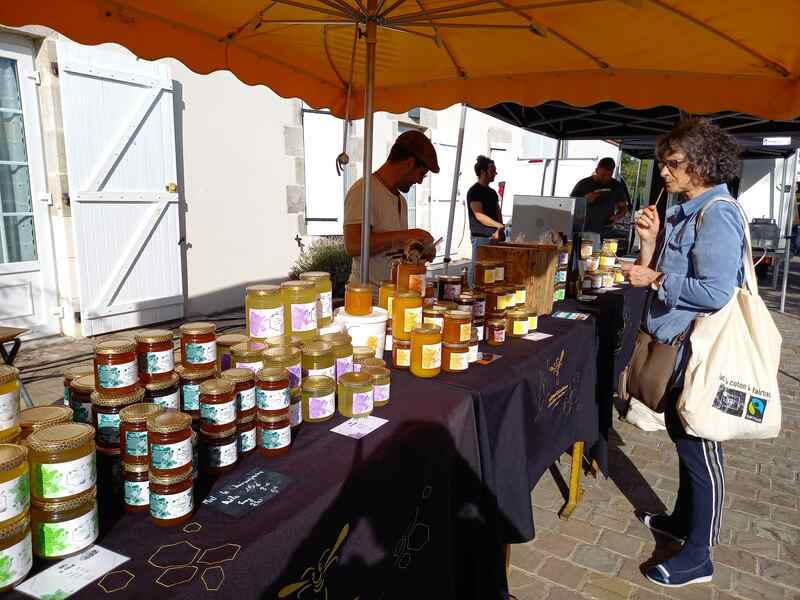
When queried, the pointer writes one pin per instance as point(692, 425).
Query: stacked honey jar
point(600, 269)
point(506, 312)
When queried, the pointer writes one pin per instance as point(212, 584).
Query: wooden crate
point(535, 265)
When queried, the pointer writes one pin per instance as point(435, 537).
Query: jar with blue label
point(246, 432)
point(220, 451)
point(165, 393)
point(198, 346)
point(274, 434)
point(80, 399)
point(73, 373)
point(217, 405)
point(171, 499)
point(16, 555)
point(170, 437)
point(116, 370)
point(190, 382)
point(245, 389)
point(272, 391)
point(106, 415)
point(155, 354)
point(136, 487)
point(133, 432)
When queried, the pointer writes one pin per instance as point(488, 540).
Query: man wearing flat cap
point(411, 158)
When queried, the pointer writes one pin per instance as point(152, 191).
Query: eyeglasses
point(671, 164)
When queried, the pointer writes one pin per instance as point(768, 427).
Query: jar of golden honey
point(426, 351)
point(64, 527)
point(217, 405)
point(484, 273)
point(198, 346)
point(499, 271)
point(521, 294)
point(190, 388)
point(355, 395)
point(322, 282)
point(245, 389)
point(248, 355)
point(15, 552)
point(434, 315)
point(411, 277)
point(455, 357)
point(272, 390)
point(274, 434)
point(62, 462)
point(319, 398)
point(371, 361)
point(358, 299)
point(171, 499)
point(155, 354)
point(495, 332)
point(517, 323)
point(533, 321)
point(285, 357)
point(407, 314)
point(169, 435)
point(457, 327)
point(295, 407)
point(136, 487)
point(41, 417)
point(116, 370)
point(318, 359)
point(449, 287)
point(300, 306)
point(360, 354)
point(264, 312)
point(401, 354)
point(224, 344)
point(133, 445)
point(165, 393)
point(466, 303)
point(381, 384)
point(81, 389)
point(495, 296)
point(342, 352)
point(14, 484)
point(386, 294)
point(71, 374)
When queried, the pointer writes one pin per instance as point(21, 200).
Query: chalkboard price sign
point(237, 498)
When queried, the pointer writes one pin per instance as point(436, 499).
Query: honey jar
point(371, 361)
point(190, 388)
point(62, 462)
point(133, 445)
point(517, 323)
point(264, 313)
point(198, 346)
point(318, 398)
point(274, 434)
point(381, 384)
point(245, 388)
point(300, 309)
point(386, 294)
point(285, 357)
point(484, 273)
point(355, 395)
point(533, 321)
point(165, 393)
point(248, 355)
point(474, 349)
point(466, 303)
point(171, 499)
point(322, 283)
point(70, 374)
point(434, 315)
point(457, 327)
point(401, 354)
point(449, 287)
point(358, 299)
point(246, 435)
point(342, 352)
point(14, 484)
point(478, 328)
point(295, 407)
point(15, 552)
point(155, 355)
point(411, 277)
point(361, 353)
point(495, 297)
point(64, 527)
point(479, 308)
point(499, 271)
point(455, 357)
point(136, 487)
point(116, 370)
point(495, 332)
point(407, 314)
point(224, 344)
point(318, 359)
point(169, 435)
point(105, 412)
point(81, 389)
point(220, 451)
point(426, 351)
point(41, 417)
point(272, 390)
point(521, 294)
point(217, 405)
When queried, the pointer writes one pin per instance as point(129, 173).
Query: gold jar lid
point(401, 343)
point(376, 372)
point(517, 314)
point(121, 400)
point(264, 289)
point(164, 384)
point(85, 497)
point(115, 346)
point(139, 413)
point(318, 382)
point(218, 435)
point(499, 315)
point(8, 373)
point(277, 340)
point(9, 436)
point(12, 456)
point(76, 372)
point(231, 339)
point(315, 276)
point(477, 295)
point(355, 378)
point(198, 328)
point(238, 376)
point(372, 362)
point(135, 468)
point(110, 452)
point(249, 349)
point(272, 374)
point(446, 304)
point(187, 375)
point(458, 346)
point(65, 436)
point(338, 338)
point(360, 352)
point(14, 528)
point(44, 416)
point(362, 288)
point(298, 286)
point(153, 336)
point(170, 479)
point(169, 421)
point(466, 299)
point(450, 278)
point(458, 314)
point(428, 328)
point(262, 418)
point(496, 322)
point(317, 348)
point(439, 310)
point(83, 384)
point(389, 284)
point(408, 295)
point(216, 387)
point(285, 353)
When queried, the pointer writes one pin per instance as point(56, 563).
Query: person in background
point(607, 199)
point(693, 268)
point(411, 158)
point(483, 205)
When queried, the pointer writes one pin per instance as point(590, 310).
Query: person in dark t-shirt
point(483, 205)
point(607, 198)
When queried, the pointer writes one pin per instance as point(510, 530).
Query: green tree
point(628, 168)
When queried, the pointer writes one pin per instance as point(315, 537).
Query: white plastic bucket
point(332, 327)
point(368, 330)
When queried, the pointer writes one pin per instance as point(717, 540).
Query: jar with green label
point(245, 389)
point(116, 369)
point(264, 311)
point(155, 354)
point(217, 405)
point(73, 373)
point(133, 432)
point(190, 388)
point(246, 434)
point(322, 282)
point(272, 391)
point(105, 412)
point(295, 407)
point(199, 346)
point(14, 484)
point(80, 398)
point(220, 451)
point(300, 309)
point(136, 487)
point(274, 434)
point(170, 437)
point(165, 393)
point(15, 552)
point(319, 398)
point(62, 460)
point(318, 359)
point(355, 395)
point(171, 499)
point(65, 527)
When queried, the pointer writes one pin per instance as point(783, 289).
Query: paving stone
point(755, 544)
point(580, 530)
point(640, 594)
point(562, 572)
point(735, 520)
point(620, 543)
point(724, 577)
point(790, 517)
point(597, 558)
point(752, 507)
point(557, 593)
point(790, 553)
point(617, 522)
point(555, 543)
point(780, 572)
point(777, 531)
point(733, 557)
point(607, 588)
point(526, 557)
point(779, 498)
point(525, 585)
point(756, 588)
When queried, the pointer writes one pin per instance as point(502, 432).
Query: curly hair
point(712, 154)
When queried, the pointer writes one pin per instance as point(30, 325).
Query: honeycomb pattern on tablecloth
point(219, 554)
point(178, 562)
point(192, 527)
point(213, 577)
point(176, 576)
point(115, 581)
point(179, 554)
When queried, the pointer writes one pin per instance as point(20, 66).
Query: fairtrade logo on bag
point(755, 409)
point(736, 399)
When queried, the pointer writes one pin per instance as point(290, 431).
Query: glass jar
point(318, 359)
point(80, 397)
point(169, 435)
point(407, 314)
point(608, 278)
point(466, 303)
point(14, 483)
point(619, 276)
point(195, 455)
point(401, 354)
point(41, 417)
point(133, 432)
point(272, 391)
point(559, 293)
point(355, 395)
point(136, 487)
point(171, 499)
point(449, 287)
point(381, 384)
point(457, 327)
point(509, 297)
point(447, 304)
point(155, 354)
point(322, 283)
point(411, 277)
point(495, 296)
point(455, 357)
point(15, 552)
point(217, 405)
point(586, 249)
point(115, 365)
point(165, 393)
point(246, 436)
point(434, 315)
point(244, 382)
point(386, 294)
point(248, 355)
point(361, 353)
point(478, 328)
point(358, 299)
point(190, 388)
point(71, 374)
point(371, 361)
point(110, 479)
point(586, 282)
point(224, 344)
point(264, 312)
point(474, 347)
point(495, 332)
point(610, 246)
point(198, 346)
point(533, 321)
point(521, 294)
point(429, 299)
point(220, 451)
point(105, 413)
point(284, 341)
point(62, 461)
point(499, 271)
point(517, 323)
point(608, 259)
point(274, 434)
point(65, 527)
point(319, 398)
point(342, 352)
point(300, 309)
point(426, 351)
point(295, 407)
point(484, 273)
point(285, 357)
point(479, 309)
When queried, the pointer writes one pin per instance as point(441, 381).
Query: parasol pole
point(369, 93)
point(787, 251)
point(555, 168)
point(454, 189)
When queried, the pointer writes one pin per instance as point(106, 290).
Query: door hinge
point(36, 77)
point(47, 198)
point(57, 311)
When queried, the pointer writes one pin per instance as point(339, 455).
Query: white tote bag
point(731, 382)
point(639, 415)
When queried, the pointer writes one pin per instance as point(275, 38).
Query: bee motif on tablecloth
point(313, 577)
point(555, 368)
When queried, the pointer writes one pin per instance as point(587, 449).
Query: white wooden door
point(28, 291)
point(120, 144)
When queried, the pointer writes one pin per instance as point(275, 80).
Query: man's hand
point(648, 224)
point(497, 233)
point(638, 275)
point(426, 239)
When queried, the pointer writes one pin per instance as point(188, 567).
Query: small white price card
point(359, 427)
point(536, 336)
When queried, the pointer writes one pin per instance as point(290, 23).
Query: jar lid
point(359, 287)
point(9, 436)
point(116, 346)
point(362, 352)
point(248, 349)
point(262, 289)
point(231, 339)
point(466, 299)
point(336, 339)
point(372, 362)
point(458, 314)
point(435, 309)
point(446, 304)
point(517, 313)
point(135, 468)
point(316, 348)
point(12, 456)
point(427, 328)
point(499, 315)
point(408, 294)
point(164, 384)
point(187, 375)
point(286, 353)
point(15, 528)
point(109, 451)
point(497, 322)
point(64, 436)
point(477, 295)
point(401, 343)
point(262, 418)
point(355, 378)
point(81, 499)
point(169, 421)
point(216, 387)
point(198, 328)
point(318, 382)
point(139, 413)
point(83, 384)
point(238, 375)
point(272, 374)
point(153, 336)
point(76, 372)
point(246, 420)
point(450, 278)
point(170, 479)
point(44, 416)
point(298, 286)
point(377, 372)
point(389, 284)
point(462, 346)
point(218, 435)
point(315, 276)
point(122, 400)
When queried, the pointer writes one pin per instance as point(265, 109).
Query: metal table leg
point(575, 491)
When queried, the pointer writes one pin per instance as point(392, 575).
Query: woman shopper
point(693, 265)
